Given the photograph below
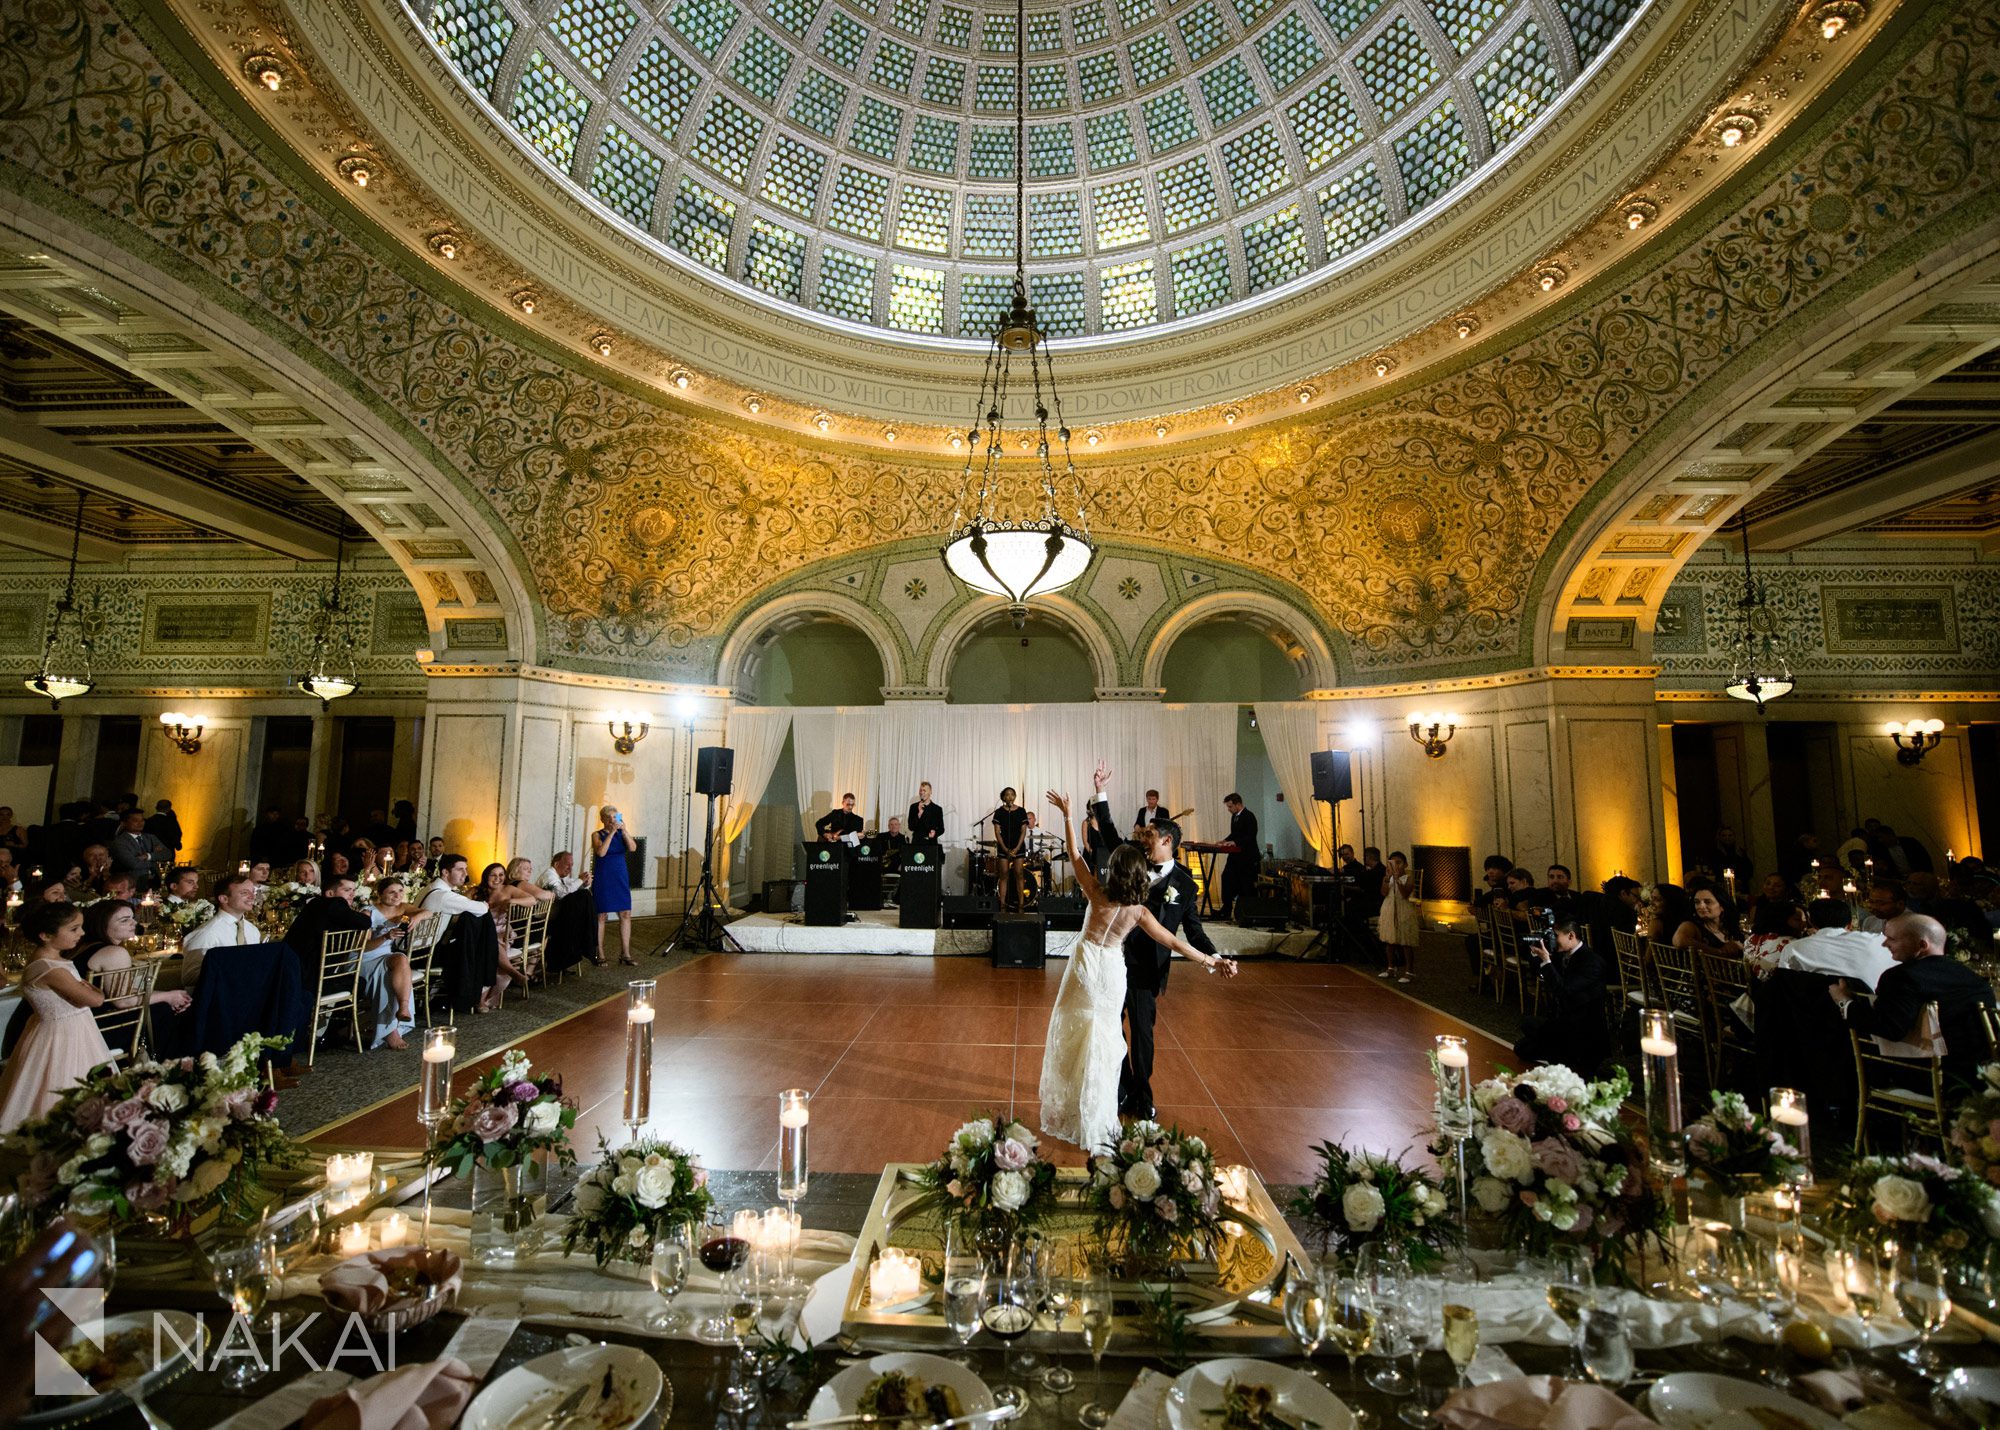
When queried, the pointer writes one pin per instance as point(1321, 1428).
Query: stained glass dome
point(1183, 156)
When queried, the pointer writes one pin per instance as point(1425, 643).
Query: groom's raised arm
point(1108, 836)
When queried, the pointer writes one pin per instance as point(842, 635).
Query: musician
point(892, 840)
point(1150, 812)
point(926, 823)
point(1010, 835)
point(839, 824)
point(1239, 872)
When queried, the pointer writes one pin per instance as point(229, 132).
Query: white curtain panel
point(833, 753)
point(758, 737)
point(1291, 733)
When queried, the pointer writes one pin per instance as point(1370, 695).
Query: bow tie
point(1159, 869)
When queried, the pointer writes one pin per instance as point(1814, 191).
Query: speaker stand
point(699, 925)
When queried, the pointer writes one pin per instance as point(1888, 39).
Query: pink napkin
point(430, 1396)
point(361, 1283)
point(1835, 1391)
point(1539, 1402)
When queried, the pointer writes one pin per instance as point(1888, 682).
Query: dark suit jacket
point(925, 824)
point(1899, 1001)
point(838, 821)
point(1243, 832)
point(166, 828)
point(306, 937)
point(1146, 816)
point(1173, 902)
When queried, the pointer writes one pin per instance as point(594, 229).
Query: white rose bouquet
point(992, 1175)
point(1975, 1128)
point(1360, 1196)
point(1916, 1201)
point(153, 1141)
point(508, 1117)
point(632, 1196)
point(182, 915)
point(1154, 1192)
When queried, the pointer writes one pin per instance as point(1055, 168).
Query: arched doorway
point(1229, 659)
point(1042, 663)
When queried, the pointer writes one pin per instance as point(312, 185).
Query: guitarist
point(1150, 812)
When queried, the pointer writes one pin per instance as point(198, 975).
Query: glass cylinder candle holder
point(794, 1119)
point(1788, 1110)
point(1660, 1066)
point(639, 1014)
point(1453, 1064)
point(433, 1102)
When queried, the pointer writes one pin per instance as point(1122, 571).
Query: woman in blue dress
point(611, 880)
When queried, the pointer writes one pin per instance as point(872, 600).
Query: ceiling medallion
point(1009, 556)
point(1384, 365)
point(753, 404)
point(357, 169)
point(1551, 276)
point(1835, 18)
point(266, 71)
point(525, 299)
point(601, 343)
point(680, 377)
point(1734, 129)
point(445, 244)
point(1639, 211)
point(1465, 325)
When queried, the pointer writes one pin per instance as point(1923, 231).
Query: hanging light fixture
point(65, 668)
point(1006, 553)
point(330, 668)
point(1760, 671)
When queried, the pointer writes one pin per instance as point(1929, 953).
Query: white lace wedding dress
point(1086, 1048)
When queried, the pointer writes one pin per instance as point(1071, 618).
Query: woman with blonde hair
point(611, 879)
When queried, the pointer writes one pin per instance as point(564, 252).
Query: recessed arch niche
point(1043, 663)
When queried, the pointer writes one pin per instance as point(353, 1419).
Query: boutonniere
point(1173, 895)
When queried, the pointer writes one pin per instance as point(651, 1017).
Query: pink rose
point(1117, 1198)
point(1153, 1155)
point(1514, 1115)
point(1572, 1123)
point(239, 1103)
point(1009, 1155)
point(1128, 1148)
point(491, 1123)
point(1169, 1212)
point(147, 1196)
point(1558, 1104)
point(146, 1143)
point(954, 1188)
point(121, 1115)
point(701, 1176)
point(1558, 1159)
point(1528, 1198)
point(90, 1113)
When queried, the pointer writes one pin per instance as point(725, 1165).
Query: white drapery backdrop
point(758, 738)
point(969, 752)
point(1291, 734)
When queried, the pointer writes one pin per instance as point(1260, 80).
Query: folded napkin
point(1539, 1402)
point(1834, 1391)
point(1140, 1409)
point(429, 1396)
point(362, 1282)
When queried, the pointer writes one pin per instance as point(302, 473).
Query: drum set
point(1040, 853)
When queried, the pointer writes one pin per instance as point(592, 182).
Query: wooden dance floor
point(898, 1052)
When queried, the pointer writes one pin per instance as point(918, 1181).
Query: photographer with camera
point(1570, 1028)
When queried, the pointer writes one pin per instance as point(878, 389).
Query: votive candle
point(393, 1231)
point(895, 1277)
point(352, 1239)
point(434, 1088)
point(794, 1118)
point(1788, 1110)
point(1454, 1079)
point(639, 1015)
point(1660, 1065)
point(346, 1169)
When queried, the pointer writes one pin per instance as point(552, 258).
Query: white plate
point(1299, 1398)
point(842, 1394)
point(527, 1394)
point(1696, 1401)
point(177, 1328)
point(1975, 1394)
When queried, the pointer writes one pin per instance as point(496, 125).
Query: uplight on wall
point(184, 730)
point(1913, 739)
point(1433, 731)
point(628, 728)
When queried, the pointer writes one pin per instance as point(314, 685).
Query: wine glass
point(1350, 1322)
point(1009, 1314)
point(1461, 1339)
point(1715, 1273)
point(1385, 1270)
point(1059, 1278)
point(1604, 1345)
point(242, 1269)
point(725, 1255)
point(672, 1260)
point(294, 1235)
point(1423, 1320)
point(1772, 1281)
point(964, 1286)
point(1570, 1289)
point(1305, 1313)
point(1923, 1290)
point(1095, 1314)
point(1868, 1277)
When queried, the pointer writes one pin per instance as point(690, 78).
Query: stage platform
point(875, 932)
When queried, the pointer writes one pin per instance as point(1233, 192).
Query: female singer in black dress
point(1010, 832)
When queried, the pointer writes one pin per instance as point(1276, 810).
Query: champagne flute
point(1305, 1313)
point(1773, 1282)
point(1350, 1322)
point(241, 1268)
point(1868, 1278)
point(1714, 1276)
point(672, 1260)
point(1604, 1345)
point(1060, 1277)
point(1570, 1289)
point(1923, 1290)
point(964, 1286)
point(1423, 1317)
point(1461, 1339)
point(1095, 1314)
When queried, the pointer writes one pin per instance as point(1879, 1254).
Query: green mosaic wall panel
point(1289, 51)
point(1348, 16)
point(1467, 22)
point(944, 82)
point(934, 145)
point(726, 141)
point(626, 176)
point(549, 110)
point(1187, 195)
point(1098, 78)
point(859, 198)
point(1170, 122)
point(473, 35)
point(847, 284)
point(1274, 249)
point(910, 16)
point(1517, 85)
point(996, 36)
point(1595, 22)
point(842, 40)
point(954, 26)
point(705, 24)
point(1324, 123)
point(792, 175)
point(1048, 87)
point(1255, 164)
point(983, 301)
point(661, 88)
point(1045, 33)
point(923, 219)
point(1433, 156)
point(1134, 13)
point(1055, 225)
point(592, 30)
point(1249, 12)
point(992, 153)
point(1353, 209)
point(701, 224)
point(1051, 151)
point(1129, 299)
point(1089, 24)
point(893, 65)
point(1119, 213)
point(774, 259)
point(878, 127)
point(1059, 302)
point(1108, 137)
point(817, 103)
point(916, 298)
point(796, 16)
point(761, 65)
point(989, 226)
point(1152, 60)
point(1397, 68)
point(1228, 92)
point(1203, 31)
point(1201, 277)
point(996, 89)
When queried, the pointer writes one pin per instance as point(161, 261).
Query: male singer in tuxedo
point(839, 823)
point(1239, 871)
point(1173, 902)
point(926, 821)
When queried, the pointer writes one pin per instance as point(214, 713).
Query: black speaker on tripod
point(1333, 775)
point(714, 768)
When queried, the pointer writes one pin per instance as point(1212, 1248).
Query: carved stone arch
point(1289, 628)
point(982, 611)
point(464, 567)
point(747, 643)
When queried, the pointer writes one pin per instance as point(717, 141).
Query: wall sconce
point(628, 728)
point(1914, 740)
point(183, 730)
point(1433, 732)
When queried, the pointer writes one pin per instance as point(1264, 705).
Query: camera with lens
point(1541, 928)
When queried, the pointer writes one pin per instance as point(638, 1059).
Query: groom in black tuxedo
point(1173, 902)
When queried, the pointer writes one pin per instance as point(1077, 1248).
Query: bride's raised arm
point(1086, 877)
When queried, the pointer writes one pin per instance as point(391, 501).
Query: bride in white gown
point(1086, 1042)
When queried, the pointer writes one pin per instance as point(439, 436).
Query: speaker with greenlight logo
point(826, 884)
point(864, 875)
point(917, 892)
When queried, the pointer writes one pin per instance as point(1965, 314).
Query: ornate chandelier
point(1759, 671)
point(1018, 557)
point(330, 668)
point(65, 669)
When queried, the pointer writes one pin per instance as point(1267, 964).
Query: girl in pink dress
point(61, 1043)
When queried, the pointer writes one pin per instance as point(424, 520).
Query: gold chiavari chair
point(531, 938)
point(1678, 982)
point(427, 931)
point(1989, 1024)
point(1631, 953)
point(124, 1017)
point(1725, 977)
point(1507, 943)
point(339, 987)
point(1884, 1084)
point(1491, 975)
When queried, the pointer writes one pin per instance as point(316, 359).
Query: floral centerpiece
point(1916, 1201)
point(1549, 1160)
point(1361, 1197)
point(1975, 1128)
point(992, 1177)
point(1154, 1192)
point(279, 904)
point(508, 1117)
point(632, 1196)
point(185, 915)
point(158, 1142)
point(1741, 1152)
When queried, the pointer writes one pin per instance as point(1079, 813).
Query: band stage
point(875, 931)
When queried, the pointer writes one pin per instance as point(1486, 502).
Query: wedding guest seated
point(1493, 879)
point(1923, 974)
point(48, 889)
point(229, 927)
point(183, 883)
point(1713, 925)
point(1520, 890)
point(306, 872)
point(10, 873)
point(118, 885)
point(1885, 902)
point(1774, 923)
point(93, 862)
point(467, 958)
point(1832, 947)
point(573, 926)
point(386, 987)
point(501, 901)
point(12, 836)
point(1571, 1028)
point(1557, 895)
point(260, 874)
point(108, 925)
point(332, 912)
point(60, 1043)
point(524, 886)
point(434, 858)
